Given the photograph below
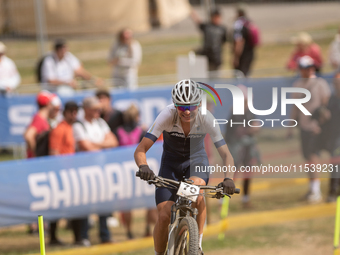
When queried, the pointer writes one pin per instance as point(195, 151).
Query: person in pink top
point(305, 47)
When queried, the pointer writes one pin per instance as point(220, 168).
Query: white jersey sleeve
point(213, 129)
point(162, 122)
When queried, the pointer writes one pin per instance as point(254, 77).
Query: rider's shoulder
point(206, 116)
point(169, 110)
point(167, 113)
point(206, 120)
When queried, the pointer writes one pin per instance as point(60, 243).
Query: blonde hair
point(302, 38)
point(131, 114)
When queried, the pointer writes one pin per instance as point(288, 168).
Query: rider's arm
point(142, 148)
point(161, 123)
point(227, 159)
point(218, 140)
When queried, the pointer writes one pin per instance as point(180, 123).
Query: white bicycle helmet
point(186, 92)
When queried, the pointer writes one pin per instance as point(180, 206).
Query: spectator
point(309, 128)
point(334, 108)
point(93, 134)
point(305, 47)
point(61, 142)
point(125, 56)
point(245, 40)
point(9, 75)
point(214, 36)
point(61, 138)
point(128, 134)
point(329, 121)
point(242, 144)
point(36, 135)
point(113, 117)
point(59, 69)
point(49, 105)
point(56, 116)
point(334, 51)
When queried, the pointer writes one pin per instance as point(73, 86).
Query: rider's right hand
point(145, 173)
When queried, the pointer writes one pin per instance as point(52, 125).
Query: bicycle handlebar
point(177, 183)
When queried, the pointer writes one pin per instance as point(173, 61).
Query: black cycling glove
point(145, 173)
point(228, 186)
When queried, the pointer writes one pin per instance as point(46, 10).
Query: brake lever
point(219, 194)
point(152, 182)
point(226, 195)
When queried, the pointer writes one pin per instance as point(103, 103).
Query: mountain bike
point(183, 238)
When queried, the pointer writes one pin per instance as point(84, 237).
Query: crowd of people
point(245, 37)
point(101, 127)
point(318, 132)
point(58, 70)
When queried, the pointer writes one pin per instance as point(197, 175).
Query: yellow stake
point(41, 234)
point(224, 214)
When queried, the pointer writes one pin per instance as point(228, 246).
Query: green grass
point(5, 157)
point(279, 236)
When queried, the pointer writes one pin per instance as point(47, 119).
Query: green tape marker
point(41, 234)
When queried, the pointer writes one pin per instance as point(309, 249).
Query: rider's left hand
point(228, 186)
point(146, 173)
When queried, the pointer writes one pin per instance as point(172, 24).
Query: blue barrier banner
point(75, 185)
point(16, 111)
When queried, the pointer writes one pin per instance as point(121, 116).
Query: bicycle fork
point(176, 217)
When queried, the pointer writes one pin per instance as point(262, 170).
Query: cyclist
point(184, 128)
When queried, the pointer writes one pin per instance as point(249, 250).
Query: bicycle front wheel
point(186, 240)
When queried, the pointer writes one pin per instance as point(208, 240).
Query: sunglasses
point(183, 108)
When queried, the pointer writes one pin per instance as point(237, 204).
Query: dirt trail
point(310, 248)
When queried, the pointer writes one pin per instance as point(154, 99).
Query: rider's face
point(188, 115)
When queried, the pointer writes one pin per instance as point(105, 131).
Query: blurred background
point(132, 52)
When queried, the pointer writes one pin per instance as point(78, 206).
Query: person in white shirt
point(9, 75)
point(125, 57)
point(59, 69)
point(93, 134)
point(334, 52)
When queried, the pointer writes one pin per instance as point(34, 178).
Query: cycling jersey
point(182, 154)
point(175, 142)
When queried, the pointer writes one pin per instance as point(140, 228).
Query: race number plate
point(188, 191)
